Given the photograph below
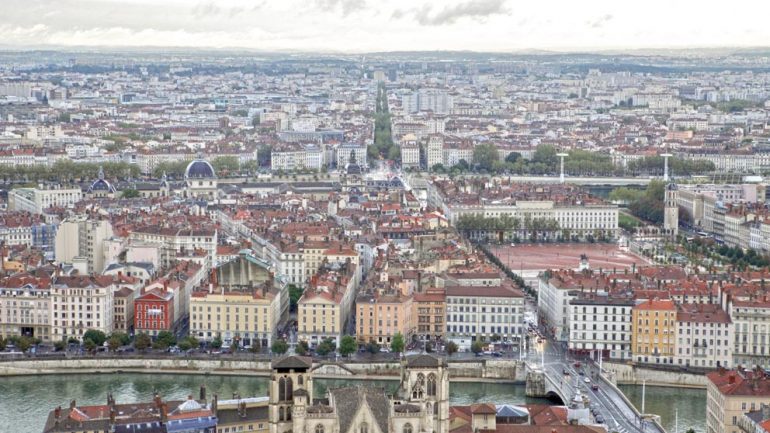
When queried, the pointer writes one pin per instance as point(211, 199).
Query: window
point(285, 391)
point(431, 385)
point(364, 428)
point(319, 429)
point(407, 428)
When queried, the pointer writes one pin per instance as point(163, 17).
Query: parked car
point(599, 419)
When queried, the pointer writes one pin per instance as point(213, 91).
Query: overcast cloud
point(371, 25)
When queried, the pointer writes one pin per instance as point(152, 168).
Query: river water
point(26, 401)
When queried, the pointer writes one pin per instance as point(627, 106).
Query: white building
point(704, 336)
point(483, 312)
point(36, 200)
point(80, 303)
point(601, 322)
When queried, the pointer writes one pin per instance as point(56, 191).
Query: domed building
point(101, 188)
point(200, 179)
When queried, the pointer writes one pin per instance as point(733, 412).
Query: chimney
point(165, 286)
point(57, 413)
point(242, 409)
point(214, 405)
point(202, 394)
point(72, 404)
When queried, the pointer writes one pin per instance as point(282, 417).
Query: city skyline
point(350, 26)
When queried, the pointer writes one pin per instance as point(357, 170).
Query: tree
point(122, 337)
point(96, 336)
point(113, 343)
point(372, 347)
point(255, 346)
point(165, 339)
point(129, 193)
point(326, 347)
point(347, 345)
point(451, 348)
point(301, 349)
point(3, 344)
point(295, 293)
point(58, 345)
point(485, 156)
point(513, 157)
point(279, 347)
point(216, 343)
point(476, 347)
point(397, 343)
point(142, 341)
point(89, 344)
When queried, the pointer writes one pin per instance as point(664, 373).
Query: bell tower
point(291, 390)
point(671, 211)
point(425, 381)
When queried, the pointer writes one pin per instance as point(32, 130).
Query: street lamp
point(665, 165)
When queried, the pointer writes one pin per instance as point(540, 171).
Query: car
point(581, 372)
point(586, 380)
point(599, 419)
point(595, 387)
point(565, 372)
point(578, 364)
point(497, 354)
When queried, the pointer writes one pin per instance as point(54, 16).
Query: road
point(618, 415)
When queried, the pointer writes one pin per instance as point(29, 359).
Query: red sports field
point(566, 256)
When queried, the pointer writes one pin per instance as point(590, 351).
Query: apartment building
point(175, 240)
point(435, 150)
point(704, 336)
point(154, 311)
point(429, 314)
point(36, 200)
point(249, 317)
point(123, 311)
point(80, 303)
point(751, 324)
point(732, 393)
point(326, 304)
point(80, 241)
point(601, 321)
point(486, 313)
point(25, 307)
point(653, 337)
point(381, 315)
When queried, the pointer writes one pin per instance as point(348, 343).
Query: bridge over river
point(605, 403)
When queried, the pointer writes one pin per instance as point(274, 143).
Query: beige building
point(123, 306)
point(325, 306)
point(25, 308)
point(80, 241)
point(80, 303)
point(732, 393)
point(246, 316)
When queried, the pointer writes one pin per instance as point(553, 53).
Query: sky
point(355, 26)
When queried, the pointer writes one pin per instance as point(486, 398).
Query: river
point(26, 401)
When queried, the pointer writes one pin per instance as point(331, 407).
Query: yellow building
point(653, 331)
point(381, 316)
point(245, 316)
point(732, 393)
point(325, 305)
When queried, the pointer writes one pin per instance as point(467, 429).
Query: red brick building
point(154, 311)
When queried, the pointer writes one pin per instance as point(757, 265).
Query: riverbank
point(630, 374)
point(509, 371)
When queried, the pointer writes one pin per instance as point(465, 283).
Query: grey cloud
point(346, 7)
point(601, 21)
point(479, 9)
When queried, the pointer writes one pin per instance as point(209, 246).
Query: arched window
point(282, 389)
point(364, 428)
point(431, 385)
point(407, 428)
point(285, 389)
point(319, 429)
point(300, 380)
point(421, 379)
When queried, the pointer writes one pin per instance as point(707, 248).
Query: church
point(421, 403)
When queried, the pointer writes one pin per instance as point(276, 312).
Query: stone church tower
point(291, 391)
point(425, 382)
point(671, 211)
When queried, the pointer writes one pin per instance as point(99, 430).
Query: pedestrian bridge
point(607, 403)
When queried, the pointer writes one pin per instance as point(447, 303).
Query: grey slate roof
point(347, 402)
point(425, 361)
point(295, 362)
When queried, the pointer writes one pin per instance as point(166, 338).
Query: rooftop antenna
point(561, 173)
